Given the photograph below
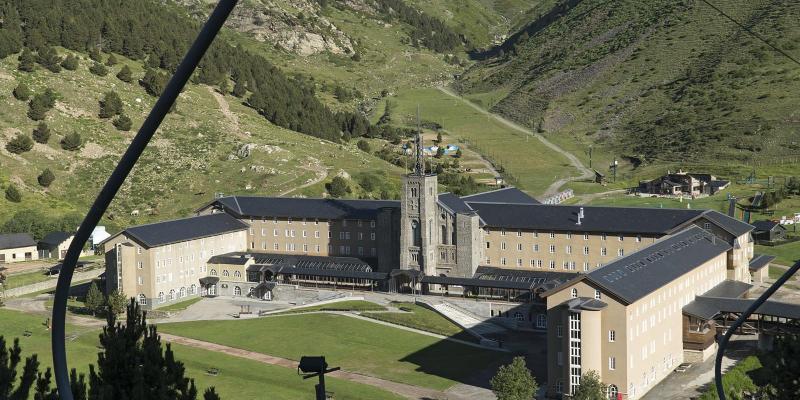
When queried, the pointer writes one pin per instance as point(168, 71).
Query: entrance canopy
point(209, 280)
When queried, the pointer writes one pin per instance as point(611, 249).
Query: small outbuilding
point(15, 247)
point(55, 245)
point(769, 231)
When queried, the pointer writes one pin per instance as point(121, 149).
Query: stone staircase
point(466, 320)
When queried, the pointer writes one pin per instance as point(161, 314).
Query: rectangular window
point(503, 245)
point(569, 235)
point(586, 250)
point(274, 232)
point(621, 238)
point(519, 233)
point(372, 236)
point(519, 262)
point(585, 236)
point(275, 246)
point(585, 266)
point(620, 252)
point(289, 221)
point(612, 335)
point(559, 331)
point(502, 232)
point(638, 238)
point(360, 235)
point(139, 265)
point(503, 261)
point(138, 250)
point(568, 249)
point(360, 251)
point(597, 294)
point(305, 234)
point(317, 248)
point(535, 234)
point(316, 234)
point(373, 252)
point(604, 237)
point(552, 248)
point(552, 235)
point(552, 264)
point(519, 246)
point(371, 224)
point(603, 251)
point(263, 232)
point(488, 245)
point(612, 363)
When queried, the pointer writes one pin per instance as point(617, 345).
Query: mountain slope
point(656, 81)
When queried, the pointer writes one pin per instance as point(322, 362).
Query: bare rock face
point(301, 28)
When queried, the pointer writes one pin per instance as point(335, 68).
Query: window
point(559, 330)
point(360, 235)
point(139, 251)
point(621, 238)
point(371, 224)
point(142, 299)
point(304, 234)
point(160, 297)
point(597, 294)
point(603, 251)
point(559, 387)
point(604, 236)
point(503, 245)
point(140, 280)
point(638, 238)
point(503, 261)
point(519, 233)
point(237, 274)
point(568, 249)
point(488, 245)
point(613, 392)
point(552, 235)
point(552, 248)
point(585, 236)
point(612, 363)
point(519, 316)
point(316, 234)
point(519, 262)
point(620, 252)
point(569, 235)
point(139, 265)
point(585, 266)
point(213, 272)
point(503, 232)
point(574, 293)
point(706, 226)
point(275, 246)
point(536, 248)
point(541, 320)
point(237, 291)
point(612, 336)
point(182, 292)
point(274, 232)
point(289, 221)
point(172, 295)
point(586, 250)
point(535, 234)
point(519, 246)
point(372, 236)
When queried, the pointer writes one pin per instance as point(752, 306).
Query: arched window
point(172, 294)
point(193, 289)
point(142, 299)
point(160, 297)
point(237, 274)
point(225, 273)
point(416, 233)
point(612, 392)
point(237, 291)
point(183, 292)
point(213, 272)
point(574, 293)
point(250, 291)
point(541, 321)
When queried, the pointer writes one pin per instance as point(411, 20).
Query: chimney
point(580, 216)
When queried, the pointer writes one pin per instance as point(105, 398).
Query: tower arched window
point(612, 391)
point(416, 233)
point(574, 293)
point(142, 299)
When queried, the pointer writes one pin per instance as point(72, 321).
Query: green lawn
point(28, 278)
point(181, 305)
point(786, 254)
point(421, 318)
point(737, 379)
point(354, 345)
point(238, 378)
point(349, 305)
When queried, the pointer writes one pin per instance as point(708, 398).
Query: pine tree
point(210, 394)
point(72, 141)
point(514, 381)
point(70, 63)
point(783, 368)
point(22, 92)
point(154, 82)
point(110, 105)
point(363, 145)
point(439, 151)
point(239, 90)
point(125, 74)
point(338, 187)
point(41, 133)
point(46, 178)
point(48, 58)
point(19, 144)
point(26, 61)
point(98, 69)
point(9, 366)
point(94, 54)
point(590, 388)
point(112, 60)
point(224, 86)
point(37, 109)
point(12, 194)
point(95, 301)
point(123, 123)
point(116, 301)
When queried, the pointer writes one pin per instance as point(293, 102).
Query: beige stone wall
point(353, 238)
point(518, 249)
point(18, 254)
point(647, 335)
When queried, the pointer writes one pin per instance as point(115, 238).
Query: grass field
point(349, 305)
point(354, 345)
point(238, 378)
point(182, 305)
point(421, 318)
point(533, 166)
point(27, 278)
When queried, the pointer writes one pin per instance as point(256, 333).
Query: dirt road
point(585, 173)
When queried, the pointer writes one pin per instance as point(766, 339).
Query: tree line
point(428, 31)
point(158, 35)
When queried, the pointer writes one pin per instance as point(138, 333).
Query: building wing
point(287, 207)
point(16, 240)
point(180, 230)
point(509, 195)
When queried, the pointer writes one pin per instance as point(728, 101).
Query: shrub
point(98, 69)
point(46, 177)
point(22, 92)
point(125, 74)
point(363, 145)
point(70, 63)
point(110, 105)
point(111, 61)
point(72, 141)
point(12, 194)
point(123, 123)
point(19, 144)
point(338, 187)
point(41, 133)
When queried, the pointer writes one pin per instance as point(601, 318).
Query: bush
point(125, 74)
point(363, 145)
point(98, 69)
point(110, 105)
point(22, 92)
point(111, 61)
point(26, 61)
point(70, 63)
point(72, 141)
point(46, 177)
point(41, 133)
point(123, 123)
point(13, 195)
point(19, 144)
point(40, 104)
point(49, 59)
point(338, 187)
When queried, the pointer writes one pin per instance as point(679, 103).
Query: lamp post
point(313, 366)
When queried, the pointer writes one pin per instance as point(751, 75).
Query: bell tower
point(419, 230)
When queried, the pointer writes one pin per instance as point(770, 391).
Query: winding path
point(586, 173)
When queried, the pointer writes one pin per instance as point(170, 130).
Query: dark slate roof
point(180, 230)
point(729, 288)
point(454, 203)
point(765, 225)
point(585, 304)
point(708, 307)
point(287, 207)
point(55, 238)
point(534, 276)
point(596, 219)
point(731, 225)
point(509, 195)
point(450, 280)
point(634, 276)
point(760, 261)
point(15, 240)
point(287, 264)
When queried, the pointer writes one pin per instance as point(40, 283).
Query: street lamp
point(313, 366)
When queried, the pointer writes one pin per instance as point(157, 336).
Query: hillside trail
point(320, 174)
point(585, 173)
point(225, 109)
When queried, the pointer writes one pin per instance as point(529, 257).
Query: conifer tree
point(19, 144)
point(12, 194)
point(95, 301)
point(41, 133)
point(116, 301)
point(239, 90)
point(112, 60)
point(110, 105)
point(98, 69)
point(9, 367)
point(123, 123)
point(26, 61)
point(72, 141)
point(70, 63)
point(48, 58)
point(94, 55)
point(46, 178)
point(22, 92)
point(125, 74)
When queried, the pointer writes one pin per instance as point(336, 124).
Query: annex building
point(611, 286)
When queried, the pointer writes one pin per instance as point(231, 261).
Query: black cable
point(117, 178)
point(742, 318)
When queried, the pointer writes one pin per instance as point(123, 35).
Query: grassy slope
point(184, 165)
point(357, 346)
point(421, 318)
point(610, 69)
point(238, 378)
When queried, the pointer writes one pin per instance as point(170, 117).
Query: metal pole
point(321, 387)
point(115, 181)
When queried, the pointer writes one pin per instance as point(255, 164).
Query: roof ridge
point(176, 219)
point(492, 191)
